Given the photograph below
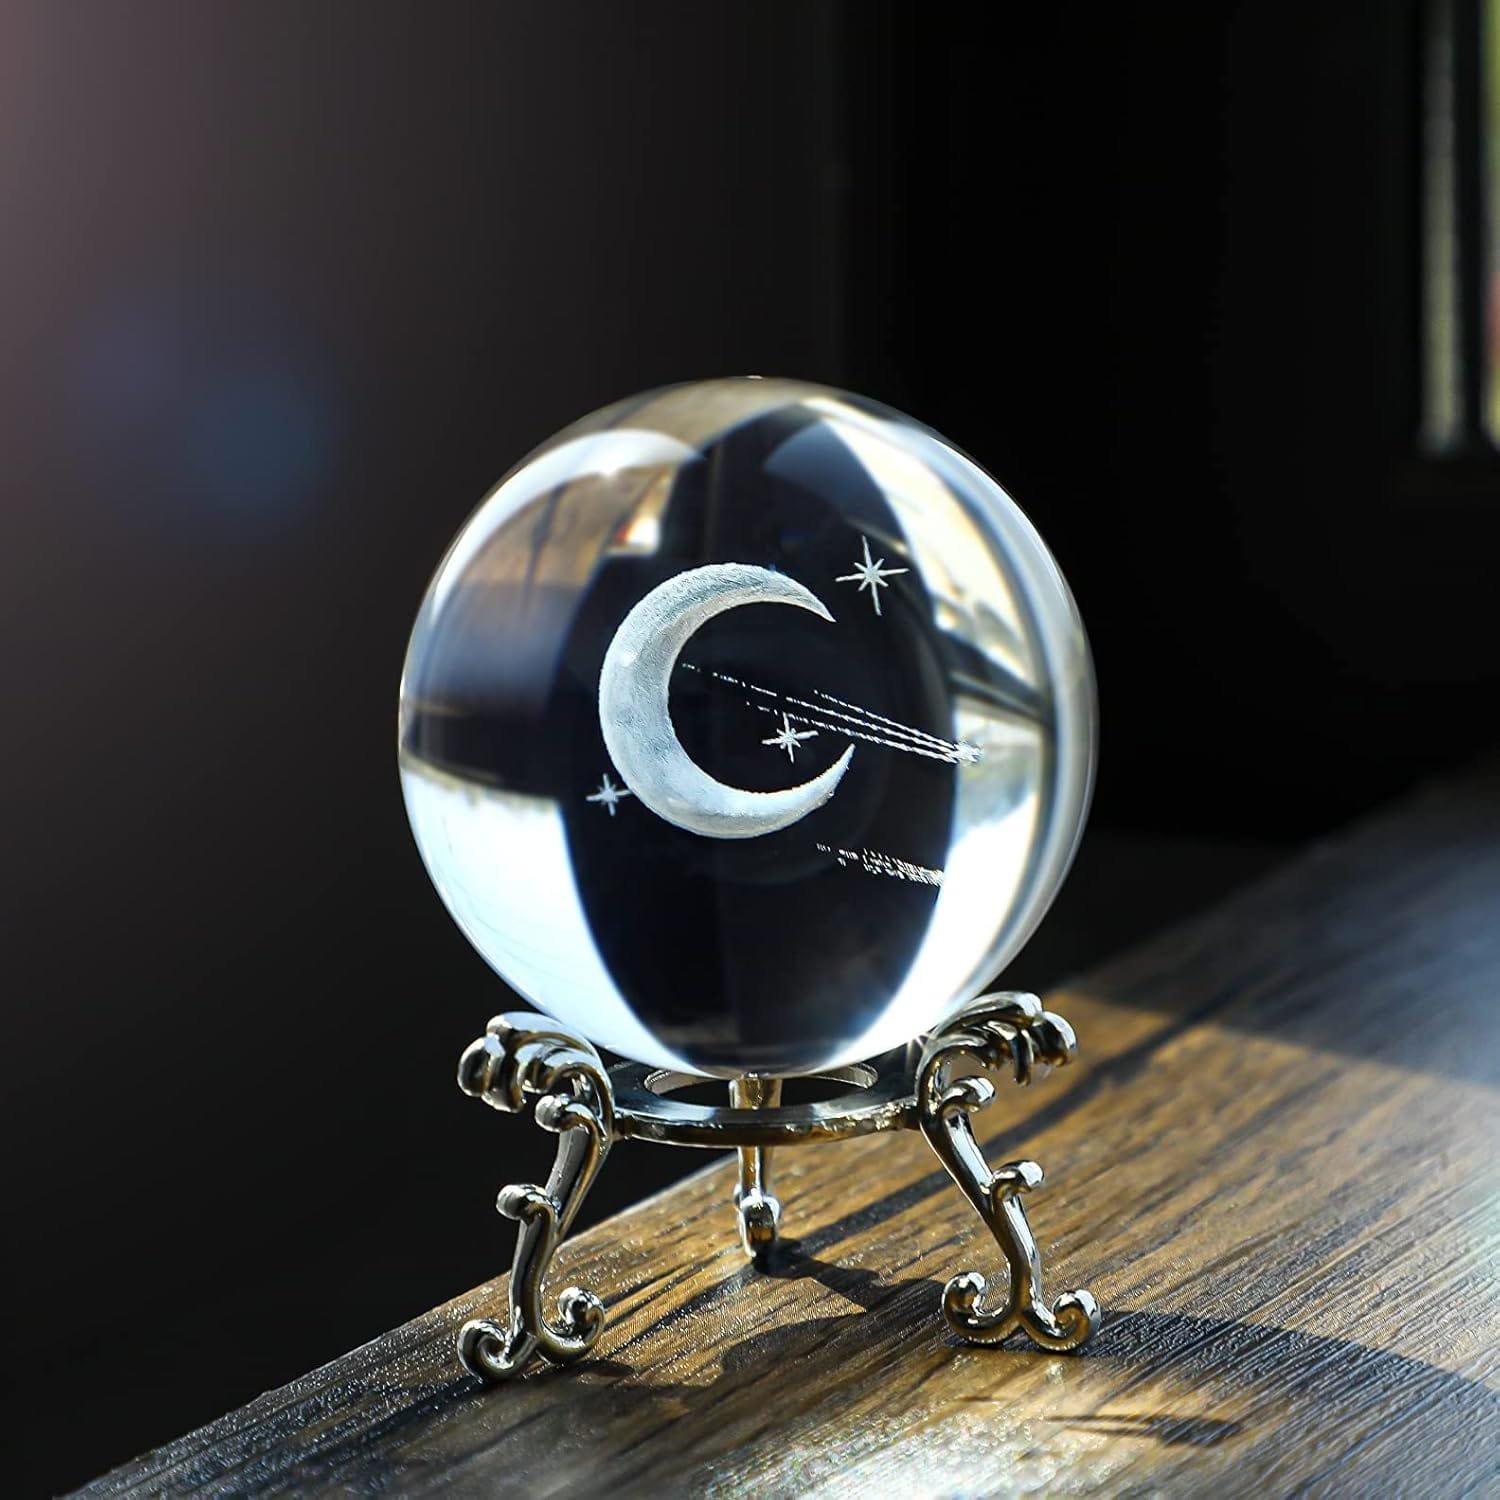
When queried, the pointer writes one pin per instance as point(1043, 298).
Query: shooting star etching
point(848, 720)
point(965, 753)
point(873, 862)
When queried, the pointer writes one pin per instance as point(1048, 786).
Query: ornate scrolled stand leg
point(991, 1032)
point(758, 1207)
point(518, 1057)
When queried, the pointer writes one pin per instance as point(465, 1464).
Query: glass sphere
point(747, 727)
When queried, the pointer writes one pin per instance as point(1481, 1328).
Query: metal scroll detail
point(526, 1059)
point(518, 1057)
point(997, 1031)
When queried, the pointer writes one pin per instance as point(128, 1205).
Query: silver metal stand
point(933, 1086)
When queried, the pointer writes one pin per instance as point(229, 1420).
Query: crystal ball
point(747, 727)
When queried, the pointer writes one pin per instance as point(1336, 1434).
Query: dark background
point(284, 288)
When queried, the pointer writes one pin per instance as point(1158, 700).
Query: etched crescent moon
point(637, 723)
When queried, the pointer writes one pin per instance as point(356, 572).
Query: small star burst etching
point(608, 794)
point(870, 575)
point(786, 738)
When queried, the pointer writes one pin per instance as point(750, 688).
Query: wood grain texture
point(1274, 1164)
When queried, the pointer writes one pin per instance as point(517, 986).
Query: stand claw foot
point(758, 1208)
point(760, 1222)
point(520, 1056)
point(993, 1031)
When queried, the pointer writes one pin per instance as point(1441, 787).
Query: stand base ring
point(882, 1096)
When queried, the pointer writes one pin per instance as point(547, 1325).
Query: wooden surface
point(1273, 1163)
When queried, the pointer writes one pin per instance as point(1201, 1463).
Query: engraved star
point(608, 794)
point(786, 738)
point(870, 575)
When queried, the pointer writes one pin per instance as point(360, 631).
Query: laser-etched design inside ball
point(747, 726)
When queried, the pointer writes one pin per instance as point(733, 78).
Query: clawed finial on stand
point(993, 1032)
point(518, 1057)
